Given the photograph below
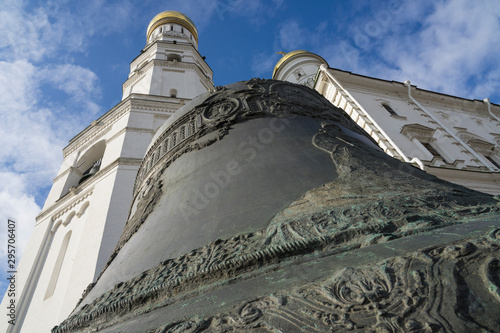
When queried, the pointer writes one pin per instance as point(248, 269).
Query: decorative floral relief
point(222, 108)
point(403, 294)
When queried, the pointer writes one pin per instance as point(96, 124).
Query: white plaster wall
point(38, 319)
point(24, 267)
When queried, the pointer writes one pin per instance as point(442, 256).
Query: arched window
point(57, 267)
point(69, 218)
point(90, 162)
point(173, 57)
point(83, 209)
point(91, 171)
point(87, 165)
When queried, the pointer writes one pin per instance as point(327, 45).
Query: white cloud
point(447, 46)
point(18, 205)
point(263, 63)
point(203, 12)
point(455, 46)
point(27, 134)
point(77, 82)
point(291, 36)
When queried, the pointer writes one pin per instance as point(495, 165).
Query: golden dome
point(292, 54)
point(172, 16)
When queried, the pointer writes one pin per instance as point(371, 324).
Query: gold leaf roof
point(172, 16)
point(290, 55)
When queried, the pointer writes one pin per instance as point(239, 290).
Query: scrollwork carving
point(352, 287)
point(223, 108)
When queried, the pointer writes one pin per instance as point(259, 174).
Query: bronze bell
point(92, 171)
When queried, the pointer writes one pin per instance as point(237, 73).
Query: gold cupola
point(172, 16)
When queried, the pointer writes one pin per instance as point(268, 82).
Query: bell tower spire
point(170, 64)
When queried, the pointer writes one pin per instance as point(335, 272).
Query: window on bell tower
point(173, 57)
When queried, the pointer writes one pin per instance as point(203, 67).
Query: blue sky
point(62, 64)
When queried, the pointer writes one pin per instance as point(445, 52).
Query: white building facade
point(89, 202)
point(453, 138)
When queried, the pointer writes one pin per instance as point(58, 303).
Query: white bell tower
point(170, 64)
point(88, 204)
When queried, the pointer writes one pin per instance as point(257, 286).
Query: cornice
point(417, 131)
point(155, 106)
point(436, 99)
point(162, 116)
point(79, 198)
point(97, 129)
point(65, 204)
point(168, 64)
point(129, 161)
point(139, 73)
point(103, 125)
point(130, 129)
point(164, 47)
